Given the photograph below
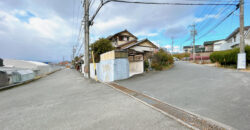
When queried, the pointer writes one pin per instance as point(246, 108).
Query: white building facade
point(233, 40)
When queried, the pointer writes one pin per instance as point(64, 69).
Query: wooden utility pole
point(241, 62)
point(86, 39)
point(193, 33)
point(74, 52)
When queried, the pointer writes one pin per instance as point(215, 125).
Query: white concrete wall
point(136, 67)
point(93, 74)
point(111, 70)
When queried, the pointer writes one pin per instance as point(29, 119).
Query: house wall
point(143, 48)
point(110, 70)
point(136, 67)
point(113, 66)
point(217, 45)
point(128, 44)
point(187, 50)
point(209, 48)
point(225, 46)
point(247, 41)
point(93, 74)
point(121, 69)
point(233, 41)
point(122, 42)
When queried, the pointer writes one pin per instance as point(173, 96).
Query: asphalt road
point(216, 93)
point(65, 100)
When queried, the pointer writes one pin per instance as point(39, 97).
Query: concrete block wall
point(121, 69)
point(106, 70)
point(110, 70)
point(114, 65)
point(136, 67)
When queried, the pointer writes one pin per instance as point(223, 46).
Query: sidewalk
point(65, 100)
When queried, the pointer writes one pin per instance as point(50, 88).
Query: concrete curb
point(188, 119)
point(22, 83)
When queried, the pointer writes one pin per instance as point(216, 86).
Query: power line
point(78, 37)
point(218, 23)
point(73, 24)
point(204, 25)
point(164, 3)
point(214, 1)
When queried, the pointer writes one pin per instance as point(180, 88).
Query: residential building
point(125, 40)
point(233, 40)
point(189, 49)
point(138, 50)
point(220, 45)
point(121, 38)
point(209, 45)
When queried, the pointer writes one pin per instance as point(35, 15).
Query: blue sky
point(220, 32)
point(24, 16)
point(46, 30)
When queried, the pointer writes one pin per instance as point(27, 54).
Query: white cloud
point(198, 20)
point(176, 49)
point(50, 30)
point(103, 27)
point(168, 46)
point(53, 28)
point(146, 34)
point(38, 39)
point(157, 43)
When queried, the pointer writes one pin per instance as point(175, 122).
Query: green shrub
point(229, 57)
point(161, 59)
point(101, 46)
point(181, 55)
point(146, 65)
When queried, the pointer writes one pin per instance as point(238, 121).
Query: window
point(124, 38)
point(120, 38)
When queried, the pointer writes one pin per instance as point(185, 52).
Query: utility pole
point(86, 39)
point(193, 33)
point(241, 62)
point(74, 52)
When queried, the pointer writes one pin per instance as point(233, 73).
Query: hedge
point(161, 59)
point(181, 55)
point(229, 57)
